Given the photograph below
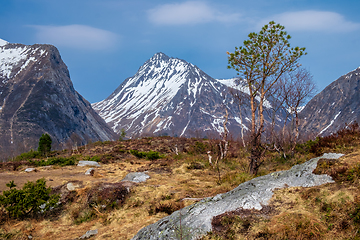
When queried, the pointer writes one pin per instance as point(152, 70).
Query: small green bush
point(151, 155)
point(61, 161)
point(308, 146)
point(95, 159)
point(28, 155)
point(138, 154)
point(85, 216)
point(32, 199)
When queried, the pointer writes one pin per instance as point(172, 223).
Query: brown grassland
point(331, 211)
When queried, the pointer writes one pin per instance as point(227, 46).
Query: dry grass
point(180, 180)
point(174, 183)
point(331, 211)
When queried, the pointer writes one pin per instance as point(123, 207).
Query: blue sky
point(103, 42)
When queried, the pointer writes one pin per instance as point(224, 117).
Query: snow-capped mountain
point(169, 96)
point(37, 96)
point(334, 107)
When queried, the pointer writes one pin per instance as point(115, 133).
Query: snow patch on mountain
point(241, 85)
point(150, 91)
point(331, 123)
point(10, 58)
point(3, 42)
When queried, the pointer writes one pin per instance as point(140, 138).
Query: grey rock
point(73, 185)
point(88, 163)
point(90, 171)
point(136, 177)
point(254, 194)
point(65, 190)
point(30, 170)
point(89, 234)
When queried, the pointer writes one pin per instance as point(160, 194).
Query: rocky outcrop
point(37, 97)
point(254, 194)
point(334, 107)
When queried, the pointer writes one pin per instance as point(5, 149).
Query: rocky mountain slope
point(334, 107)
point(169, 96)
point(37, 96)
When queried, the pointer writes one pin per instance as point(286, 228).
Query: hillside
point(179, 180)
point(334, 107)
point(37, 97)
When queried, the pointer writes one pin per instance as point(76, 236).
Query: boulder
point(254, 194)
point(67, 191)
point(90, 171)
point(30, 170)
point(89, 234)
point(136, 177)
point(73, 185)
point(88, 163)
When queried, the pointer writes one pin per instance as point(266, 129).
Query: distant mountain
point(334, 107)
point(37, 96)
point(169, 96)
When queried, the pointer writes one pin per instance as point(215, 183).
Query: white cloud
point(313, 21)
point(191, 12)
point(76, 36)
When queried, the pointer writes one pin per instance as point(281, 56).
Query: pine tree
point(44, 144)
point(261, 62)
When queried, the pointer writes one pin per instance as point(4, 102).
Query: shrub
point(61, 161)
point(32, 199)
point(95, 159)
point(28, 155)
point(138, 154)
point(151, 155)
point(84, 216)
point(341, 141)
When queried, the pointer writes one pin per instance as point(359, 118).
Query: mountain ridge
point(333, 108)
point(37, 96)
point(173, 97)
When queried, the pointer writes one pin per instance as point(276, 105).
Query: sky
point(103, 42)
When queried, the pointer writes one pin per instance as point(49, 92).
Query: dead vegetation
point(182, 176)
point(331, 211)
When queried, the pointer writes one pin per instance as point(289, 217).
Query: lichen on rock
point(254, 194)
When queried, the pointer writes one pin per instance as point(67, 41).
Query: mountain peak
point(3, 42)
point(160, 56)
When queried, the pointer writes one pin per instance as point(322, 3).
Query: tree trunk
point(255, 155)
